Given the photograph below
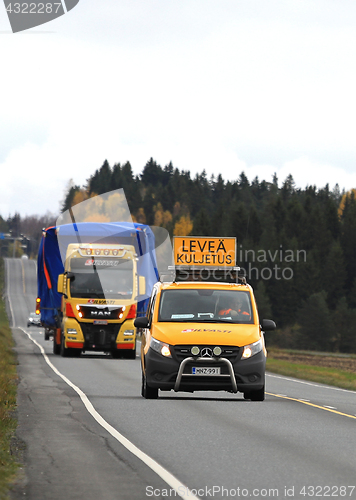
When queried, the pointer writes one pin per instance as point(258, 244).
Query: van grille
point(232, 353)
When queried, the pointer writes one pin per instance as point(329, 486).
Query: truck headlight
point(252, 349)
point(160, 347)
point(71, 331)
point(129, 332)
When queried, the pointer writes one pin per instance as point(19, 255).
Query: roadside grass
point(8, 390)
point(313, 373)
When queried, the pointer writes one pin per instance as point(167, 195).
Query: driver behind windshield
point(234, 306)
point(214, 305)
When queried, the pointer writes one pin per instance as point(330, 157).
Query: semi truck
point(94, 279)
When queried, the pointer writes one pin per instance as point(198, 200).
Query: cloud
point(262, 90)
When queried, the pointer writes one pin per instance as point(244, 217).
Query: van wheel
point(256, 395)
point(146, 391)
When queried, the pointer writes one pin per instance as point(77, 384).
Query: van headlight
point(160, 347)
point(252, 349)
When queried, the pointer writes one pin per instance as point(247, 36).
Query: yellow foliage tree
point(162, 217)
point(343, 201)
point(90, 211)
point(116, 208)
point(97, 218)
point(183, 226)
point(100, 208)
point(141, 216)
point(158, 211)
point(80, 195)
point(167, 218)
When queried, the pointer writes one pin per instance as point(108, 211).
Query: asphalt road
point(89, 434)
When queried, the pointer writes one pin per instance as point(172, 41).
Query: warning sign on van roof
point(202, 251)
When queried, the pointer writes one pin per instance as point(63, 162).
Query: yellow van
point(202, 334)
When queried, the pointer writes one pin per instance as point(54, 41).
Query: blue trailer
point(56, 282)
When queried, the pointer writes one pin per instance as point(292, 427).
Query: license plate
point(204, 370)
point(100, 322)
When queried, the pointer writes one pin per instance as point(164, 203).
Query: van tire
point(258, 395)
point(146, 391)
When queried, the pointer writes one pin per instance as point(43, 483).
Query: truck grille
point(99, 336)
point(100, 311)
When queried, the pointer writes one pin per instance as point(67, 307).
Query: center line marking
point(326, 408)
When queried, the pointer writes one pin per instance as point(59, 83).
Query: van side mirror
point(141, 322)
point(267, 325)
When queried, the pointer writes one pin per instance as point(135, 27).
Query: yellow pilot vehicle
point(202, 331)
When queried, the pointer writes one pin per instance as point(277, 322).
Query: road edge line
point(182, 490)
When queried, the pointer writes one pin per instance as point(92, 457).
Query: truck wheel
point(47, 334)
point(115, 354)
point(129, 354)
point(65, 352)
point(56, 347)
point(146, 391)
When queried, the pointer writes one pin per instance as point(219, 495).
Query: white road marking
point(310, 383)
point(171, 480)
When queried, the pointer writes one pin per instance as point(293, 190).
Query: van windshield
point(206, 305)
point(101, 278)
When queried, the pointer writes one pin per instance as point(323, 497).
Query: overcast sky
point(259, 86)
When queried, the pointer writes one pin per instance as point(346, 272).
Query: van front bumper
point(236, 375)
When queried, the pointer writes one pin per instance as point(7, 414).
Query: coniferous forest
point(297, 246)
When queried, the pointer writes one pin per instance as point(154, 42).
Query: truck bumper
point(99, 337)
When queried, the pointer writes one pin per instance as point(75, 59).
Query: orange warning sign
point(203, 251)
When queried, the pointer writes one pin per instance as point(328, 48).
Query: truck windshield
point(101, 278)
point(205, 305)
